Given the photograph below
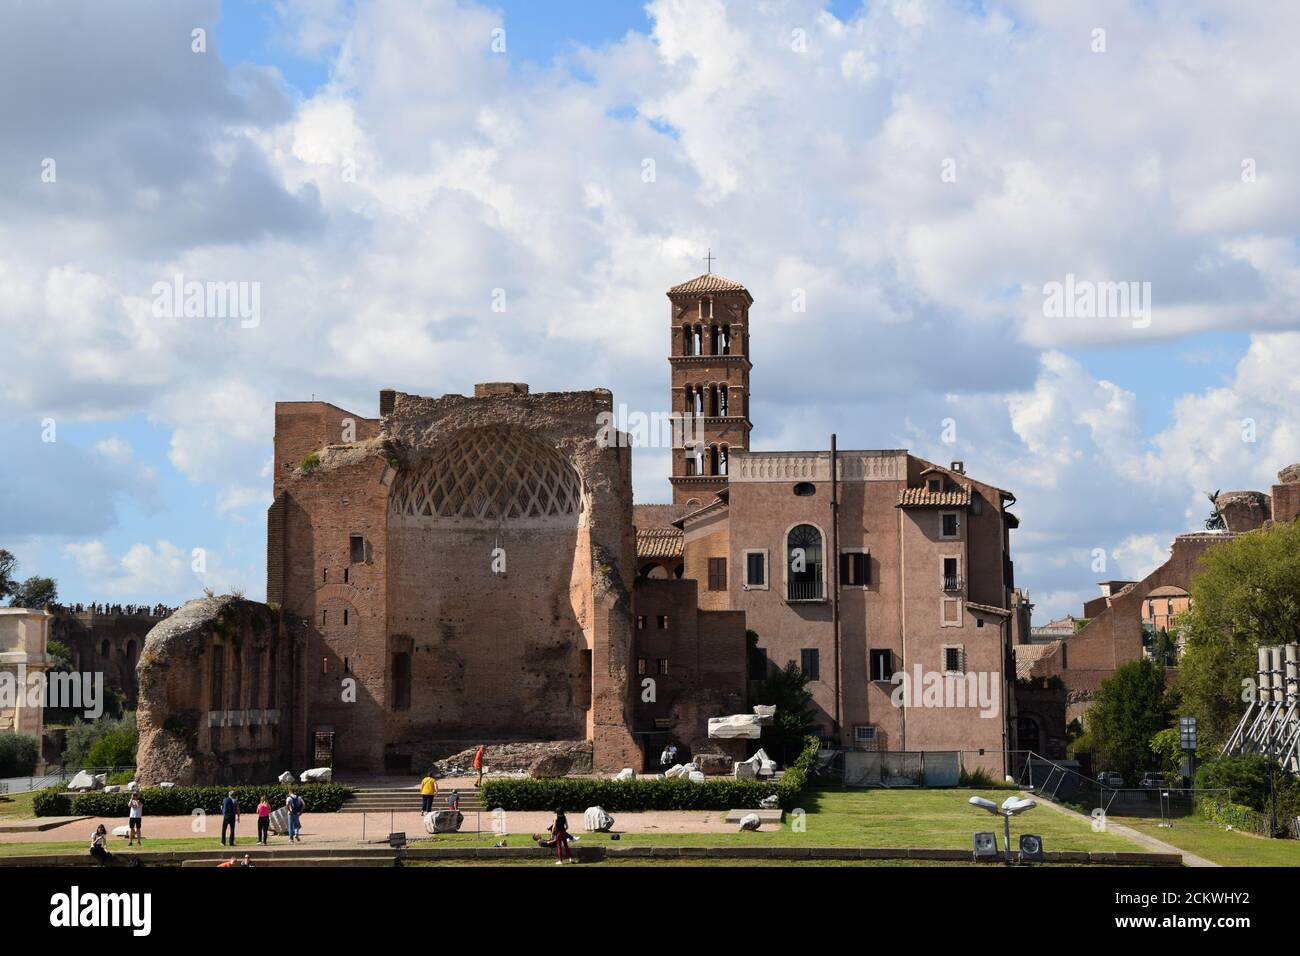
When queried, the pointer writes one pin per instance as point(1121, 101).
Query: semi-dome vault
point(492, 474)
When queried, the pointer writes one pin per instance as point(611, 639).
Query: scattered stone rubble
point(596, 820)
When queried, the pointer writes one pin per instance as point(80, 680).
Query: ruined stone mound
point(1243, 510)
point(169, 673)
point(1290, 475)
point(551, 758)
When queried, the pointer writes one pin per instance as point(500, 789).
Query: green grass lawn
point(17, 806)
point(1226, 847)
point(938, 819)
point(834, 817)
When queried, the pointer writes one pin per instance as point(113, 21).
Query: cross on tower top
point(709, 259)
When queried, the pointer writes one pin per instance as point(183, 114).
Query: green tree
point(787, 689)
point(7, 564)
point(1130, 708)
point(82, 738)
point(1245, 596)
point(35, 592)
point(18, 754)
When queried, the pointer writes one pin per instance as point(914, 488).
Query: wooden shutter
point(717, 574)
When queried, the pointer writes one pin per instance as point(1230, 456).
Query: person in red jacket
point(478, 765)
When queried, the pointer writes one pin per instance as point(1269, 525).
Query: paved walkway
point(1137, 836)
point(351, 829)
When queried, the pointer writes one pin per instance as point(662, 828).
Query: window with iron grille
point(954, 660)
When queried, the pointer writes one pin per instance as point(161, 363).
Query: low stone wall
point(595, 854)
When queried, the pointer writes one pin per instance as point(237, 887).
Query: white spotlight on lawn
point(1012, 806)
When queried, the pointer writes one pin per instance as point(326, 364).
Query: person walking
point(453, 800)
point(263, 821)
point(294, 804)
point(478, 765)
point(99, 845)
point(229, 815)
point(664, 757)
point(134, 820)
point(428, 789)
point(560, 834)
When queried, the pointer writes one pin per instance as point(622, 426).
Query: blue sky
point(801, 140)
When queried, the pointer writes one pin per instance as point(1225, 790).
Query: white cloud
point(818, 170)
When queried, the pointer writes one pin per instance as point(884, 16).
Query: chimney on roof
point(959, 467)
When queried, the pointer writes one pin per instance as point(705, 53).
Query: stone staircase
point(405, 800)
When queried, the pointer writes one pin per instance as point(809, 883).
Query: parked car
point(1151, 780)
point(1109, 778)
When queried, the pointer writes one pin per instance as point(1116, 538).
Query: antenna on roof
point(709, 260)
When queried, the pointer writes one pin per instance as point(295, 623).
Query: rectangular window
point(640, 666)
point(717, 574)
point(663, 665)
point(640, 622)
point(345, 575)
point(810, 663)
point(949, 529)
point(954, 660)
point(755, 569)
point(357, 546)
point(864, 735)
point(663, 622)
point(951, 576)
point(855, 569)
point(757, 663)
point(934, 484)
point(401, 681)
point(345, 616)
point(882, 664)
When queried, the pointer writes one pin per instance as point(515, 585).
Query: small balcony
point(952, 582)
point(803, 590)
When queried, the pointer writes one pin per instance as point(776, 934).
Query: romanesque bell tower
point(710, 364)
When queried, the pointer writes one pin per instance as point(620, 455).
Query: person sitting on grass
point(99, 845)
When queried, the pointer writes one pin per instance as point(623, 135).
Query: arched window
point(688, 340)
point(803, 563)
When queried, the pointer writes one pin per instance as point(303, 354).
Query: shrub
point(53, 802)
point(650, 794)
point(84, 735)
point(18, 754)
point(309, 463)
point(1253, 780)
point(180, 801)
point(114, 750)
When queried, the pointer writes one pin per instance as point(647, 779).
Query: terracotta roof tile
point(709, 282)
point(925, 498)
point(659, 543)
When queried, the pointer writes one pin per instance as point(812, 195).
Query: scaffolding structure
point(1271, 725)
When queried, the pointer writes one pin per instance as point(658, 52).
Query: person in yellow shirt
point(428, 787)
